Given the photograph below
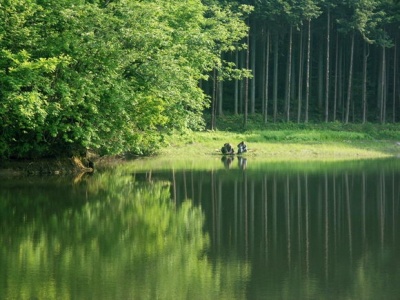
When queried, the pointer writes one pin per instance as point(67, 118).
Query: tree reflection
point(304, 232)
point(126, 240)
point(309, 234)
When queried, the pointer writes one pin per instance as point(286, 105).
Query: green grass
point(278, 145)
point(289, 141)
point(234, 123)
point(201, 151)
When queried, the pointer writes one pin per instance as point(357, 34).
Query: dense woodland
point(115, 76)
point(317, 61)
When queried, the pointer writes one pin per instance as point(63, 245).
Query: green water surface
point(228, 230)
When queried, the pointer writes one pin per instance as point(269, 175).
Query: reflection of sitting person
point(242, 147)
point(227, 161)
point(227, 149)
point(242, 162)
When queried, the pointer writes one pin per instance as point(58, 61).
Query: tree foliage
point(111, 76)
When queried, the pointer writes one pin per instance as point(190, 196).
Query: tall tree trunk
point(364, 87)
point(289, 75)
point(335, 93)
point(236, 93)
point(383, 87)
point(394, 80)
point(246, 87)
point(341, 83)
point(350, 79)
point(293, 82)
point(263, 70)
point(242, 82)
point(220, 97)
point(266, 78)
point(300, 84)
point(213, 101)
point(328, 36)
point(320, 77)
point(275, 87)
point(308, 70)
point(253, 71)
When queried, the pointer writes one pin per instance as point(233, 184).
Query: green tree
point(113, 76)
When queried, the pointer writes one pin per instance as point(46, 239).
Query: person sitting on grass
point(242, 147)
point(227, 149)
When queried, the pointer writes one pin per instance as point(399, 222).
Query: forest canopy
point(116, 76)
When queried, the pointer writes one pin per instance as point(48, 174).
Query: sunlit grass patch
point(283, 145)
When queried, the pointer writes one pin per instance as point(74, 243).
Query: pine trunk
point(320, 77)
point(275, 88)
point(300, 83)
point(266, 78)
point(261, 86)
point(382, 87)
point(364, 87)
point(341, 83)
point(350, 79)
point(236, 93)
point(289, 75)
point(308, 71)
point(394, 81)
point(246, 87)
point(328, 36)
point(213, 101)
point(253, 71)
point(220, 97)
point(335, 92)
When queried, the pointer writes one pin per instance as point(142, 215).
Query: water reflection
point(227, 161)
point(310, 232)
point(108, 237)
point(255, 231)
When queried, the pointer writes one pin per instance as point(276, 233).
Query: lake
point(215, 229)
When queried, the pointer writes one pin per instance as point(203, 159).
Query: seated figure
point(242, 147)
point(227, 149)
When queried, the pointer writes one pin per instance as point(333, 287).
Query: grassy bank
point(278, 142)
point(288, 141)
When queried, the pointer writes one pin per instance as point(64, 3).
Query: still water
point(225, 230)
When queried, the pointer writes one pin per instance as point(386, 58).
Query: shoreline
point(209, 149)
point(44, 166)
